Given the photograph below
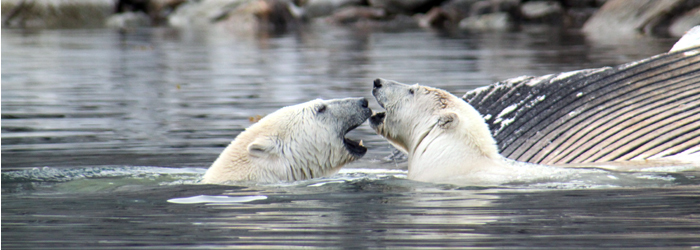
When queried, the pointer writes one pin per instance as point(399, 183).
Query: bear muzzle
point(377, 119)
point(356, 148)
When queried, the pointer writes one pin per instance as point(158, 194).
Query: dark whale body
point(648, 109)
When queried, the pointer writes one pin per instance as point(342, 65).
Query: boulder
point(128, 20)
point(472, 14)
point(459, 9)
point(492, 21)
point(372, 18)
point(354, 14)
point(321, 8)
point(202, 13)
point(238, 15)
point(684, 23)
point(544, 11)
point(147, 6)
point(55, 13)
point(630, 18)
point(435, 18)
point(405, 6)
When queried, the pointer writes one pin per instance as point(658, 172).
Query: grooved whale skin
point(642, 110)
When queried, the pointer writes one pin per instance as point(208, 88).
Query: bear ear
point(448, 120)
point(261, 147)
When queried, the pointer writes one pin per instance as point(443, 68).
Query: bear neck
point(463, 150)
point(233, 164)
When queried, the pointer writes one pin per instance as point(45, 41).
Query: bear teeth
point(361, 144)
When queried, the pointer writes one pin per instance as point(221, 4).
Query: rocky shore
point(602, 18)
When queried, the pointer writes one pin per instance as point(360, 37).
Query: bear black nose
point(364, 103)
point(377, 83)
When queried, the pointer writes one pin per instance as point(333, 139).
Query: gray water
point(105, 135)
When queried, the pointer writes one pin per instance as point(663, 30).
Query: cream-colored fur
point(294, 143)
point(446, 139)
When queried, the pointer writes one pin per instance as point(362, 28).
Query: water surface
point(105, 135)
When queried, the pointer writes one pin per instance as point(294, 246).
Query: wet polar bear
point(294, 143)
point(445, 138)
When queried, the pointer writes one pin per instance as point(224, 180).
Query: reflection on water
point(94, 104)
point(163, 208)
point(175, 98)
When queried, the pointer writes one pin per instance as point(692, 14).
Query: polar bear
point(294, 143)
point(445, 138)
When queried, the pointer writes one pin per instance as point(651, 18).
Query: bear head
point(418, 115)
point(297, 142)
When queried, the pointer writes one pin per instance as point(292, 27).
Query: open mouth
point(377, 118)
point(354, 147)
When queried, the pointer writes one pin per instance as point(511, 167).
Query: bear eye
point(411, 91)
point(320, 108)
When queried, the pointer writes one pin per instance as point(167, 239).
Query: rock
point(548, 11)
point(689, 40)
point(459, 9)
point(493, 21)
point(156, 12)
point(357, 13)
point(128, 20)
point(435, 18)
point(238, 15)
point(493, 6)
point(405, 6)
point(123, 6)
point(684, 23)
point(578, 4)
point(474, 14)
point(372, 18)
point(321, 8)
point(55, 13)
point(623, 18)
point(201, 13)
point(576, 17)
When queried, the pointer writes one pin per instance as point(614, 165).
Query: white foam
point(216, 199)
point(371, 171)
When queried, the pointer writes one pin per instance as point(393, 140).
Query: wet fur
point(294, 143)
point(446, 139)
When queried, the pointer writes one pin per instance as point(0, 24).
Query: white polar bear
point(446, 139)
point(294, 143)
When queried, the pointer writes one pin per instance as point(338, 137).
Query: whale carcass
point(639, 111)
